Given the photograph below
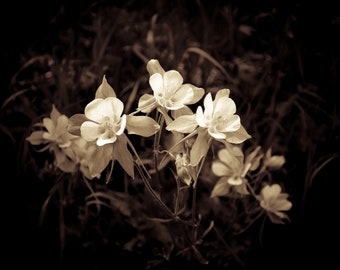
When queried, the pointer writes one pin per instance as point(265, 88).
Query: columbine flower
point(56, 131)
point(104, 123)
point(169, 91)
point(232, 169)
point(219, 115)
point(274, 202)
point(81, 151)
point(218, 118)
point(183, 168)
point(217, 121)
point(55, 138)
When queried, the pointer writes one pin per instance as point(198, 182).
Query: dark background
point(311, 240)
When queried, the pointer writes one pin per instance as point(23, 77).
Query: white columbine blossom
point(219, 115)
point(169, 91)
point(106, 121)
point(217, 121)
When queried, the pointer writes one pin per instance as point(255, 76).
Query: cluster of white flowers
point(88, 142)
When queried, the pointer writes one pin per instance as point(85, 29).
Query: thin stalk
point(194, 191)
point(153, 193)
point(252, 222)
point(232, 251)
point(178, 195)
point(139, 163)
point(93, 193)
point(193, 212)
point(156, 143)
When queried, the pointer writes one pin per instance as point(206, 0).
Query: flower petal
point(233, 124)
point(220, 169)
point(123, 155)
point(62, 124)
point(224, 106)
point(49, 125)
point(182, 96)
point(114, 105)
point(282, 205)
point(141, 125)
point(275, 162)
point(231, 161)
point(200, 119)
point(182, 111)
point(54, 115)
point(221, 188)
point(98, 158)
point(200, 147)
point(172, 81)
point(156, 83)
point(146, 103)
point(90, 131)
point(208, 107)
point(238, 136)
point(153, 66)
point(183, 124)
point(235, 180)
point(36, 137)
point(74, 123)
point(122, 125)
point(185, 93)
point(105, 90)
point(270, 191)
point(96, 110)
point(222, 93)
point(99, 108)
point(198, 93)
point(106, 138)
point(216, 133)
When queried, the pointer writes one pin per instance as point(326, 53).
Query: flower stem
point(153, 193)
point(160, 120)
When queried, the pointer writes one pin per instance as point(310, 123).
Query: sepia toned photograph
point(168, 135)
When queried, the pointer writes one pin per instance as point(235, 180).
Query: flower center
point(110, 127)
